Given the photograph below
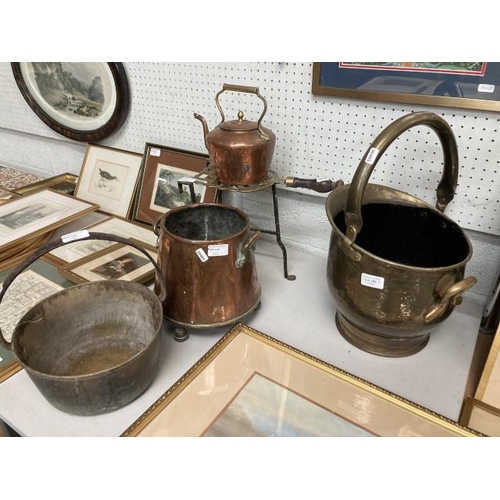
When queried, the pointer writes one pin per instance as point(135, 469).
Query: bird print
point(105, 177)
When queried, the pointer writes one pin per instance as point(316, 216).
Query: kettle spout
point(205, 126)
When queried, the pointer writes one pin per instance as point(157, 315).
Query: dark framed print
point(162, 170)
point(469, 85)
point(85, 101)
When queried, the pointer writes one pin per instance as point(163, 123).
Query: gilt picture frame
point(117, 262)
point(84, 101)
point(62, 183)
point(250, 384)
point(474, 85)
point(109, 177)
point(159, 190)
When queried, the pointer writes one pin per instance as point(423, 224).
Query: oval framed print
point(84, 101)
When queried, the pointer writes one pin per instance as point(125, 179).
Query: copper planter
point(206, 257)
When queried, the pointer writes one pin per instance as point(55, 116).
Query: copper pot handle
point(71, 238)
point(447, 185)
point(246, 247)
point(249, 90)
point(449, 292)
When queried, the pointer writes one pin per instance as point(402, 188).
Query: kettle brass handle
point(451, 294)
point(447, 185)
point(249, 90)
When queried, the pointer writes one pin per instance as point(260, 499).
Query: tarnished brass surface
point(205, 290)
point(411, 296)
point(240, 150)
point(373, 343)
point(91, 348)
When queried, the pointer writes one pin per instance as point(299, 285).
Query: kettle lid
point(239, 125)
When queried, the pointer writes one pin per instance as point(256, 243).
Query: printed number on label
point(372, 281)
point(201, 254)
point(372, 156)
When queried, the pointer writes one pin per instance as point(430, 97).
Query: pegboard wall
point(316, 136)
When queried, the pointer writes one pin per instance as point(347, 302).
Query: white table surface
point(300, 313)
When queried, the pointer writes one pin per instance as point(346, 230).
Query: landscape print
point(72, 88)
point(166, 194)
point(265, 408)
point(26, 215)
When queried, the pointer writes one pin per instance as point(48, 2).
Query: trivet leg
point(290, 277)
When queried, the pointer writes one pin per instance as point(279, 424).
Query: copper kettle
point(240, 150)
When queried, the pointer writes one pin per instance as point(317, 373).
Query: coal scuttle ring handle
point(449, 178)
point(71, 238)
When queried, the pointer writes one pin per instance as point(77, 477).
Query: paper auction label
point(485, 87)
point(155, 152)
point(372, 156)
point(76, 235)
point(218, 250)
point(372, 281)
point(201, 254)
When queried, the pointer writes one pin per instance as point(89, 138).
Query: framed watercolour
point(30, 216)
point(250, 384)
point(85, 101)
point(159, 189)
point(72, 252)
point(63, 183)
point(118, 262)
point(109, 178)
point(469, 85)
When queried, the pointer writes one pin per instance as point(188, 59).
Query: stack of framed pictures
point(92, 260)
point(26, 222)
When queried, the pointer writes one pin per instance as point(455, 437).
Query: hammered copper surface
point(240, 150)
